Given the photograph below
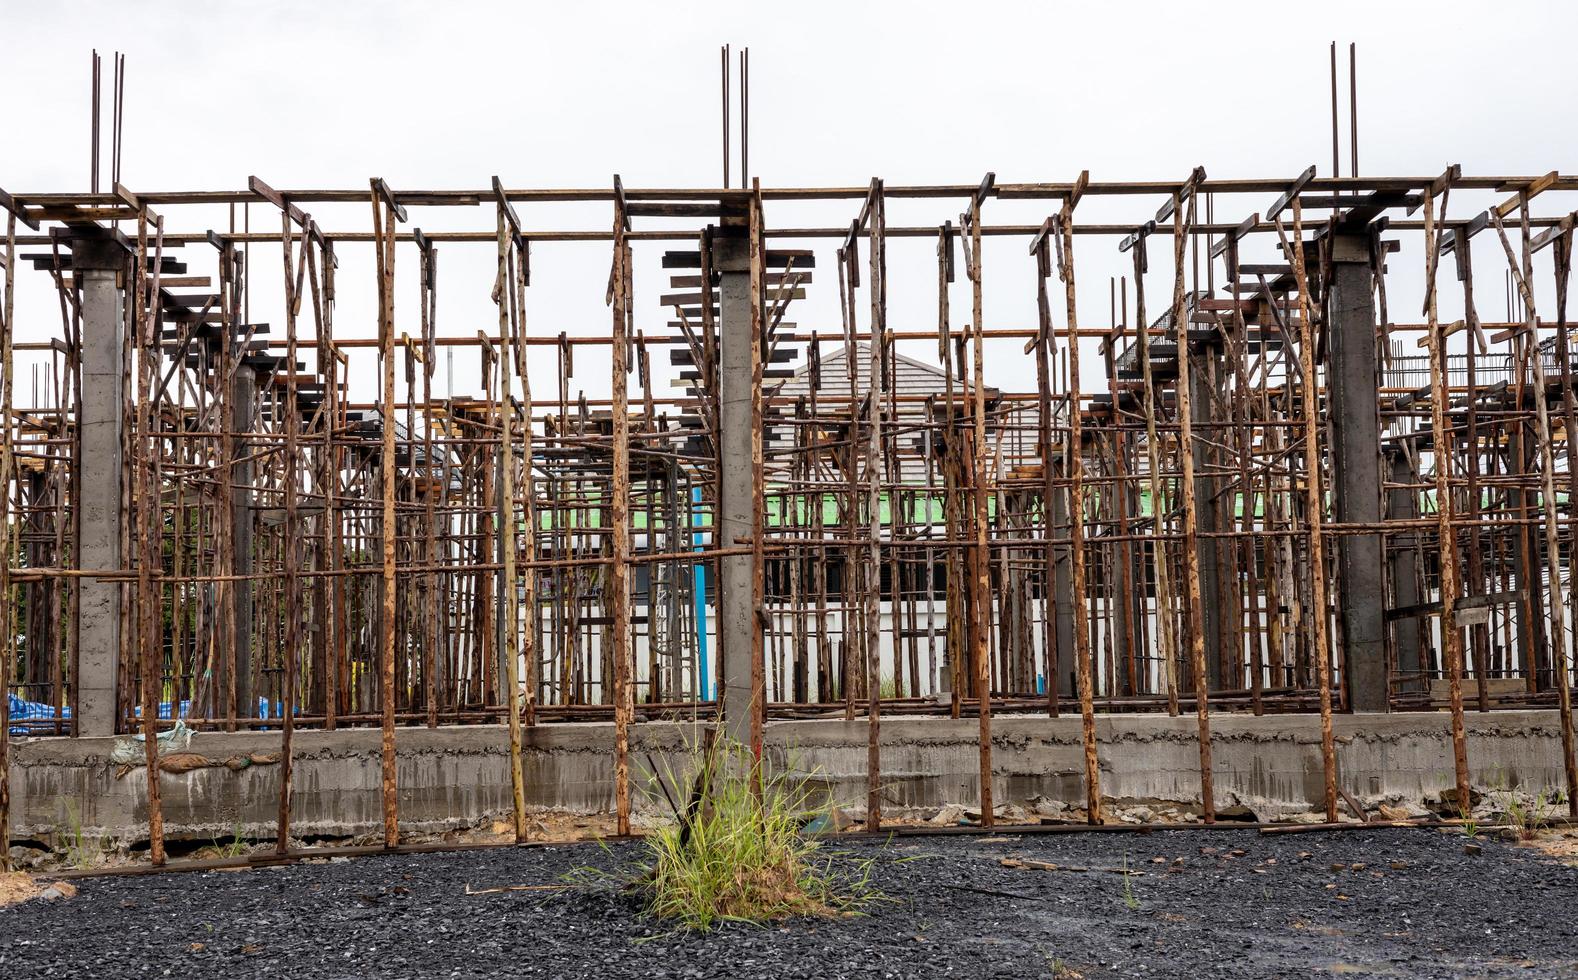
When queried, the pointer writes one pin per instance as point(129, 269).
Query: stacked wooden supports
point(978, 462)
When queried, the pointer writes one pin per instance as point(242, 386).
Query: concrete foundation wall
point(454, 777)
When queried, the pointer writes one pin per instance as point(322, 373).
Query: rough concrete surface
point(1268, 768)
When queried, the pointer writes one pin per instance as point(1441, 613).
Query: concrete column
point(100, 265)
point(243, 407)
point(1205, 370)
point(1529, 566)
point(43, 600)
point(1402, 504)
point(736, 619)
point(1352, 379)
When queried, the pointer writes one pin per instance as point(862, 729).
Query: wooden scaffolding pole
point(980, 607)
point(1314, 504)
point(1191, 555)
point(619, 521)
point(1063, 230)
point(504, 296)
point(384, 217)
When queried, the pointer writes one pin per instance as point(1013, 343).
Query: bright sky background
point(444, 95)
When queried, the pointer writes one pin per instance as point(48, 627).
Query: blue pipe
point(703, 669)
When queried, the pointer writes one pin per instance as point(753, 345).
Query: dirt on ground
point(1561, 844)
point(89, 855)
point(17, 886)
point(1219, 903)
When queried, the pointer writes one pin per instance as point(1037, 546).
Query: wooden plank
point(1287, 196)
point(1446, 331)
point(388, 198)
point(768, 278)
point(1465, 602)
point(1535, 187)
point(1244, 227)
point(694, 299)
point(9, 203)
point(673, 209)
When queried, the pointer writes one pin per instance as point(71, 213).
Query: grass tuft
point(737, 853)
point(1527, 819)
point(1129, 898)
point(82, 851)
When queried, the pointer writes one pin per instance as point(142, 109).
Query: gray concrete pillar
point(1402, 504)
point(1205, 369)
point(1529, 566)
point(100, 265)
point(737, 623)
point(1352, 380)
point(243, 411)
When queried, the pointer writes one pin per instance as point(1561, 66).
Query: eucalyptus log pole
point(528, 523)
point(1048, 557)
point(430, 492)
point(953, 660)
point(1524, 276)
point(1165, 620)
point(292, 535)
point(148, 530)
point(1314, 502)
point(873, 569)
point(1561, 252)
point(504, 291)
point(1191, 556)
point(757, 258)
point(1451, 636)
point(384, 239)
point(619, 521)
point(980, 608)
point(1064, 229)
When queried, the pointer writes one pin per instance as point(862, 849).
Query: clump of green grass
point(235, 847)
point(1527, 819)
point(736, 852)
point(82, 851)
point(1466, 822)
point(1129, 898)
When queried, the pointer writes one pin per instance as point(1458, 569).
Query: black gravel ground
point(1228, 904)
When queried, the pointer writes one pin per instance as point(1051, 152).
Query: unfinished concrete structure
point(1279, 499)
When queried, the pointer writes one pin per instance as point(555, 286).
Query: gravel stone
point(1231, 904)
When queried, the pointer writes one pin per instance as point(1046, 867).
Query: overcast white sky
point(444, 95)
